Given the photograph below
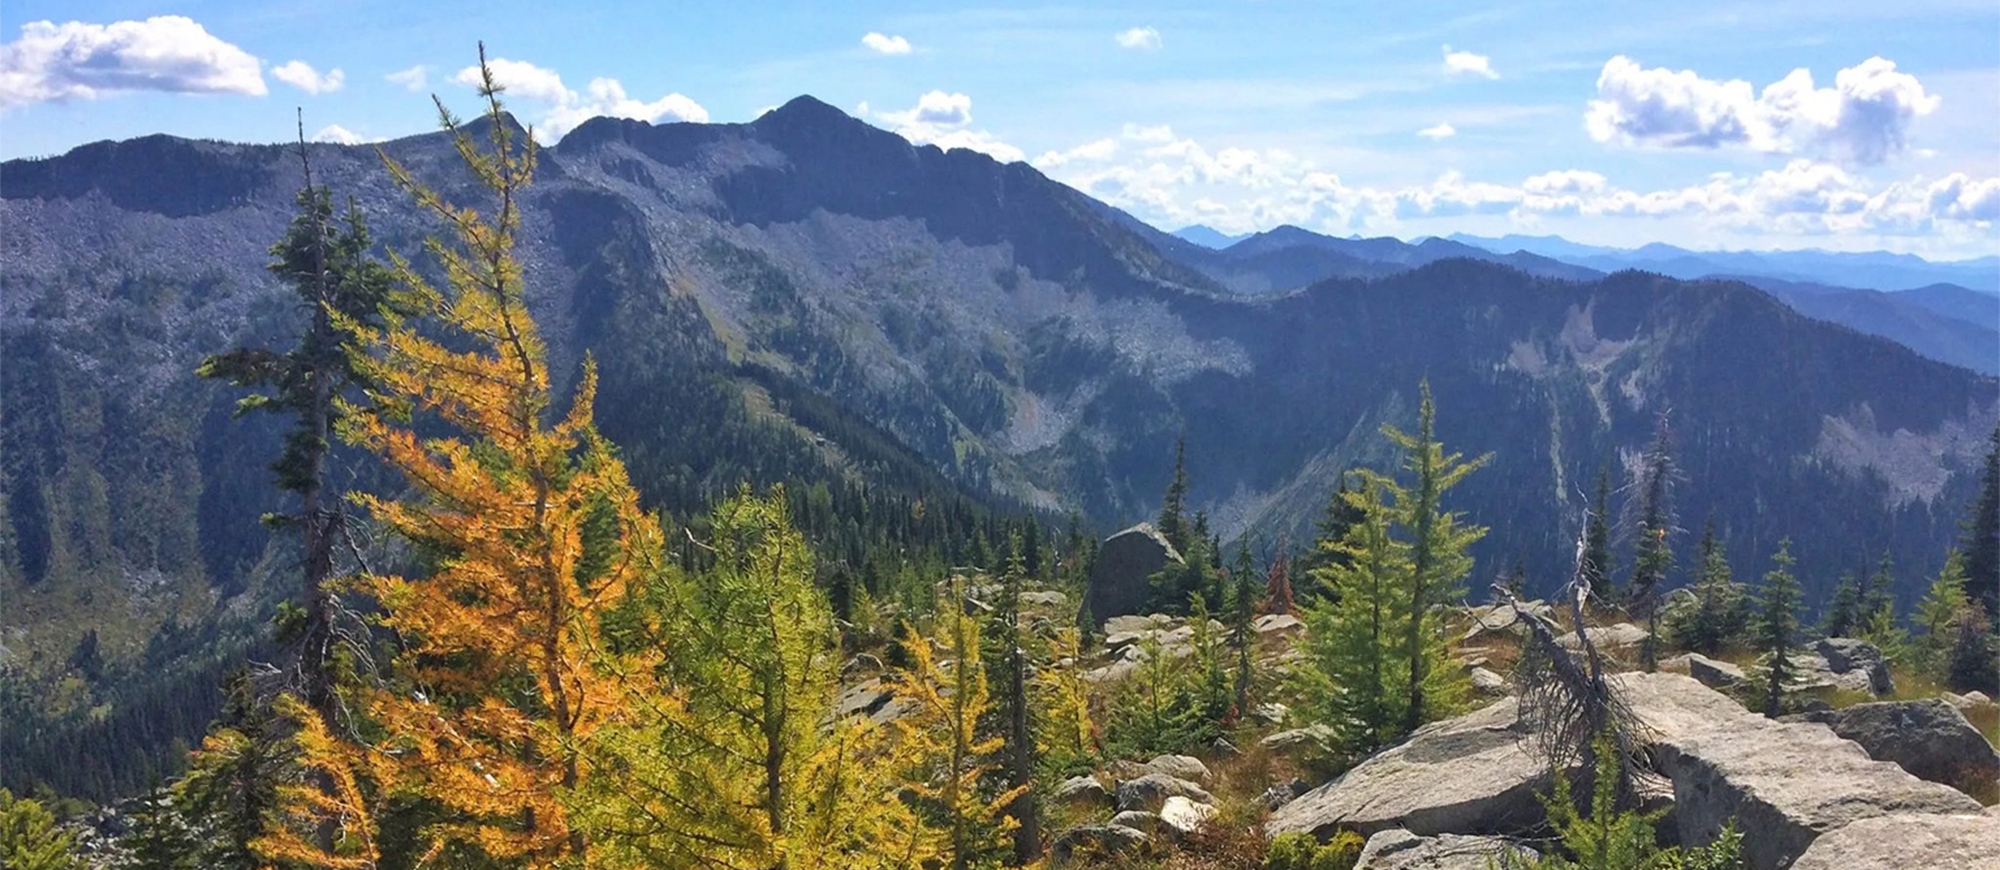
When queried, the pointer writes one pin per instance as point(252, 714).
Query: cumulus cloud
point(301, 75)
point(1441, 131)
point(1172, 180)
point(1863, 119)
point(565, 109)
point(415, 78)
point(339, 135)
point(77, 60)
point(1465, 63)
point(1144, 38)
point(881, 44)
point(945, 120)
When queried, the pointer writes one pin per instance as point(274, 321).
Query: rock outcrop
point(1906, 842)
point(1846, 655)
point(1096, 841)
point(1121, 578)
point(1930, 739)
point(1151, 791)
point(1398, 849)
point(1783, 784)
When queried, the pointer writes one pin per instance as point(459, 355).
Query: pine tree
point(326, 263)
point(1777, 627)
point(1653, 553)
point(1173, 522)
point(29, 838)
point(159, 839)
point(232, 780)
point(1844, 614)
point(1354, 638)
point(1018, 738)
point(1973, 663)
point(1931, 647)
point(1438, 559)
point(942, 737)
point(1243, 606)
point(1597, 537)
point(502, 678)
point(1719, 616)
point(1981, 544)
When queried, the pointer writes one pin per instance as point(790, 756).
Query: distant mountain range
point(856, 306)
point(1874, 270)
point(1209, 237)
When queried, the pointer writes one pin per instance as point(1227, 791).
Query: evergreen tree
point(326, 263)
point(1931, 648)
point(1065, 736)
point(1243, 606)
point(1173, 522)
point(29, 838)
point(1981, 544)
point(159, 839)
point(1438, 559)
point(1844, 613)
point(1354, 639)
point(1329, 531)
point(1777, 627)
point(1973, 663)
point(1719, 616)
point(1018, 740)
point(1597, 537)
point(1653, 555)
point(232, 780)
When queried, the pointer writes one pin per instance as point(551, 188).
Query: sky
point(1835, 124)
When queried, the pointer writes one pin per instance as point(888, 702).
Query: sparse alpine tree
point(1438, 557)
point(1777, 627)
point(1844, 613)
point(1596, 563)
point(1719, 615)
point(1173, 521)
point(1653, 554)
point(1941, 603)
point(1243, 605)
point(1010, 668)
point(1358, 670)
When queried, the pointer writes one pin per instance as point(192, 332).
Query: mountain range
point(859, 308)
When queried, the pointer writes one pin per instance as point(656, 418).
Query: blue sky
point(1781, 124)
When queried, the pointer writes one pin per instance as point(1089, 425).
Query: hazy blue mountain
point(1290, 257)
point(1874, 270)
point(1899, 317)
point(1209, 237)
point(1958, 303)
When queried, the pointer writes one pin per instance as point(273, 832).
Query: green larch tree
point(1438, 558)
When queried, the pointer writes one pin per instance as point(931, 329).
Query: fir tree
point(1981, 544)
point(1930, 649)
point(1173, 522)
point(159, 839)
point(1329, 531)
point(1017, 736)
point(1354, 639)
point(1243, 606)
point(232, 780)
point(1844, 614)
point(1777, 627)
point(1597, 537)
point(326, 263)
point(1719, 615)
point(1653, 555)
point(1973, 663)
point(1438, 559)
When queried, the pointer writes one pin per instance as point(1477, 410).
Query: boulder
point(1180, 817)
point(1283, 793)
point(1083, 790)
point(1121, 578)
point(1139, 820)
point(1045, 598)
point(1896, 842)
point(1096, 841)
point(865, 698)
point(1488, 683)
point(1149, 792)
point(1278, 623)
point(1783, 784)
point(1185, 767)
point(1712, 673)
point(1978, 698)
point(1272, 712)
point(1468, 775)
point(1603, 637)
point(1930, 739)
point(1503, 617)
point(1398, 849)
point(1295, 739)
point(1846, 655)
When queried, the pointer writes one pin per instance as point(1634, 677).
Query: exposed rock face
point(1845, 655)
point(1623, 634)
point(1180, 817)
point(1185, 767)
point(1905, 842)
point(1488, 683)
point(1297, 739)
point(1151, 791)
point(1121, 579)
point(1278, 623)
point(1398, 849)
point(1468, 775)
point(1930, 739)
point(1783, 784)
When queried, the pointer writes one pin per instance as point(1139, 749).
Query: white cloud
point(1863, 119)
point(882, 44)
point(1144, 38)
point(76, 60)
point(415, 78)
point(339, 135)
point(945, 120)
point(1441, 131)
point(301, 75)
point(1465, 63)
point(1171, 180)
point(565, 109)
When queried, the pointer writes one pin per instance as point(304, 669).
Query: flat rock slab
point(1468, 775)
point(1623, 634)
point(1784, 784)
point(1398, 849)
point(1929, 738)
point(1967, 842)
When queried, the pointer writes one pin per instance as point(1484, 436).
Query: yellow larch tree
point(532, 530)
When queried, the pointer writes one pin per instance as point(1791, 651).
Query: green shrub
point(1301, 851)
